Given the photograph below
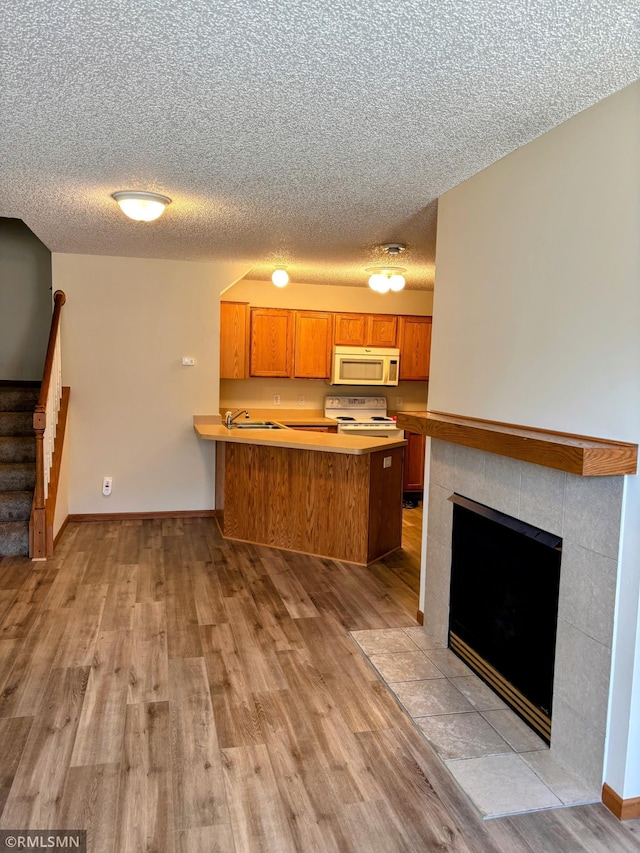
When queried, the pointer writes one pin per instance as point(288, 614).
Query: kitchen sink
point(257, 425)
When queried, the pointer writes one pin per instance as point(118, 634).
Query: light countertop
point(206, 428)
point(289, 417)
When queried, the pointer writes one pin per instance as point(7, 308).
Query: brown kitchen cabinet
point(365, 330)
point(326, 429)
point(414, 340)
point(271, 350)
point(414, 451)
point(313, 340)
point(382, 330)
point(234, 340)
point(350, 330)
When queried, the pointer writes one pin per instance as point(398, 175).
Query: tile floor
point(498, 761)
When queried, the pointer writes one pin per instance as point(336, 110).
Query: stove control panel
point(355, 403)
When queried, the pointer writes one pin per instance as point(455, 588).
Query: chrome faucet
point(230, 417)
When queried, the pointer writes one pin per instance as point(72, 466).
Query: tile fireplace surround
point(586, 513)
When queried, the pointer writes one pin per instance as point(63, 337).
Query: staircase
point(17, 466)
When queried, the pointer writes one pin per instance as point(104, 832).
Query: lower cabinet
point(414, 451)
point(314, 428)
point(338, 505)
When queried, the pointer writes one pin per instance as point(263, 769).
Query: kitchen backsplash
point(260, 392)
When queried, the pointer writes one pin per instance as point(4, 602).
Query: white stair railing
point(45, 421)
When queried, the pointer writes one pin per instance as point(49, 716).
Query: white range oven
point(362, 416)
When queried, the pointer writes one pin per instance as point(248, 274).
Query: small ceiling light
point(396, 282)
point(384, 279)
point(280, 277)
point(377, 282)
point(141, 206)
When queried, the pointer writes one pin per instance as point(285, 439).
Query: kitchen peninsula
point(332, 495)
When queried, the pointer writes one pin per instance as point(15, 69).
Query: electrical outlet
point(107, 485)
point(399, 401)
point(276, 399)
point(386, 461)
point(301, 399)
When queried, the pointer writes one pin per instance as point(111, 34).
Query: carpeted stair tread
point(16, 398)
point(16, 423)
point(17, 476)
point(17, 448)
point(15, 506)
point(17, 466)
point(14, 536)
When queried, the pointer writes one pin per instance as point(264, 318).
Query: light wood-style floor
point(170, 691)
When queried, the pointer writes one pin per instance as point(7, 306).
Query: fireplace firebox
point(505, 579)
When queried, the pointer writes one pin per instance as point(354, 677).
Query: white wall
point(25, 301)
point(127, 323)
point(537, 322)
point(259, 393)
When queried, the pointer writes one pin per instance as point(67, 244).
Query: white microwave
point(365, 366)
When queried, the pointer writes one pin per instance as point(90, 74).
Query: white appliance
point(362, 416)
point(365, 366)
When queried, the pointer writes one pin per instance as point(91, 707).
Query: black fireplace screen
point(505, 577)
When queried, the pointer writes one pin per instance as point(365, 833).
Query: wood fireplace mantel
point(576, 454)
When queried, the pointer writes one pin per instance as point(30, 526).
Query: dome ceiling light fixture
point(280, 277)
point(384, 279)
point(141, 206)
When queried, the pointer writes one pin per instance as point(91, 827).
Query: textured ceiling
point(304, 132)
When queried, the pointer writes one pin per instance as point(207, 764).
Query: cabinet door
point(234, 340)
point(414, 338)
point(313, 342)
point(382, 330)
point(413, 480)
point(351, 330)
point(271, 342)
point(325, 430)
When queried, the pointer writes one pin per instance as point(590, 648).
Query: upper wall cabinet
point(365, 330)
point(313, 341)
point(350, 330)
point(234, 340)
point(414, 340)
point(382, 330)
point(271, 342)
point(287, 344)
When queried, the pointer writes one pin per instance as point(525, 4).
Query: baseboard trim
point(60, 532)
point(420, 617)
point(141, 516)
point(622, 809)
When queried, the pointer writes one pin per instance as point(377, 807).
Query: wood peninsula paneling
point(348, 507)
point(576, 454)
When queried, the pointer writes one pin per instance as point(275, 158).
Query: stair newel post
point(37, 526)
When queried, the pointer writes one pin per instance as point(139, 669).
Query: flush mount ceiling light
point(280, 277)
point(141, 206)
point(383, 279)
